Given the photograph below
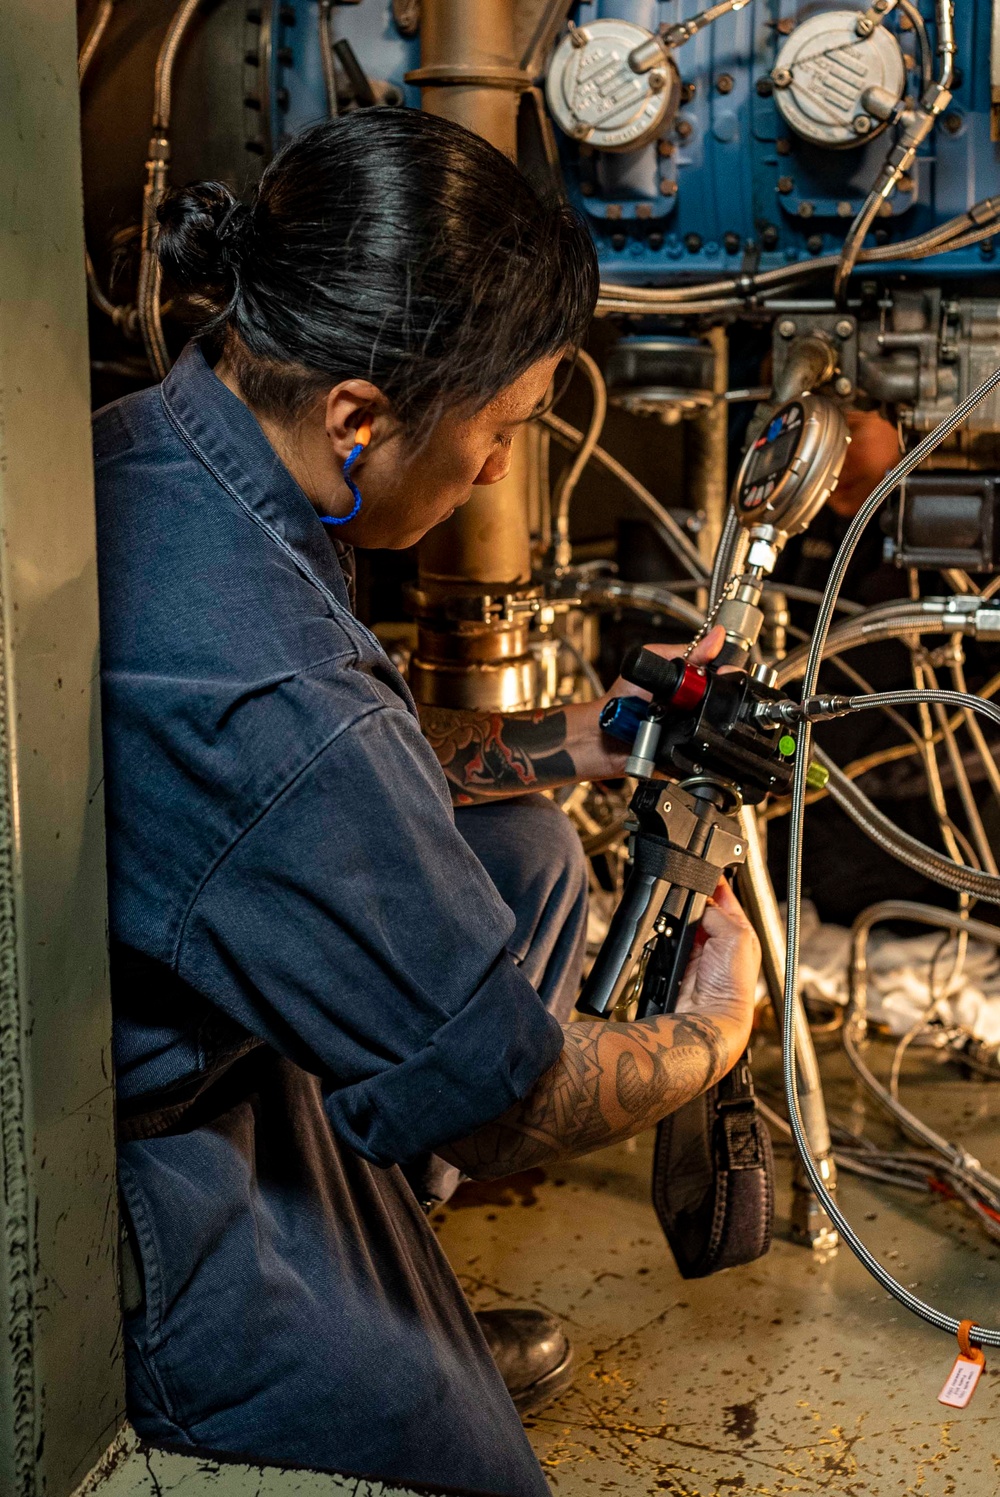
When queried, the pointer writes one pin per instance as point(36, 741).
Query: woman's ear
point(350, 406)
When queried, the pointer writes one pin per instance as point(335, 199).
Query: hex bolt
point(657, 82)
point(769, 236)
point(644, 210)
point(783, 146)
point(684, 129)
point(724, 83)
point(785, 184)
point(814, 243)
point(844, 328)
point(952, 122)
point(731, 243)
point(842, 385)
point(861, 124)
point(845, 209)
point(781, 78)
point(668, 187)
point(580, 131)
point(786, 328)
point(764, 87)
point(692, 243)
point(655, 240)
point(665, 147)
point(618, 241)
point(806, 209)
point(613, 211)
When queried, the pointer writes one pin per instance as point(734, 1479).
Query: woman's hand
point(598, 757)
point(721, 976)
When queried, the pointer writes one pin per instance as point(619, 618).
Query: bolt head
point(668, 187)
point(845, 209)
point(781, 78)
point(843, 386)
point(786, 328)
point(613, 211)
point(861, 124)
point(844, 328)
point(785, 184)
point(806, 210)
point(578, 37)
point(581, 131)
point(724, 83)
point(864, 26)
point(657, 81)
point(764, 87)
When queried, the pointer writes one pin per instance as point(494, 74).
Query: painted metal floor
point(787, 1376)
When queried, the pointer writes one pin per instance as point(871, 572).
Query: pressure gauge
point(612, 85)
point(835, 87)
point(793, 466)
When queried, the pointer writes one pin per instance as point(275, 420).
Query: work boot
point(532, 1353)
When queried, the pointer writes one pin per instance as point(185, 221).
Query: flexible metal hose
point(641, 595)
point(839, 567)
point(563, 496)
point(157, 165)
point(674, 536)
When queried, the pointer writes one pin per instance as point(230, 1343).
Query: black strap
point(663, 860)
point(713, 1178)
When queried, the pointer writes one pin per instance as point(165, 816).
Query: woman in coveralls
point(316, 979)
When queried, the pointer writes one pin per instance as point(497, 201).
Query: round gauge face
point(770, 458)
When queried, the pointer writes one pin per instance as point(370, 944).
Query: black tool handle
point(653, 673)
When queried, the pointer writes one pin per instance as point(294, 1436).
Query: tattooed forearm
point(610, 1082)
point(487, 755)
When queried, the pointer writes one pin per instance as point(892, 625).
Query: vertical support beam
point(61, 1396)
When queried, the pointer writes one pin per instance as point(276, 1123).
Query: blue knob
point(622, 716)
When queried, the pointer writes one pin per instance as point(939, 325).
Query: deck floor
point(788, 1376)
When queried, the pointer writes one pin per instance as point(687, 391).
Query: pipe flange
point(458, 75)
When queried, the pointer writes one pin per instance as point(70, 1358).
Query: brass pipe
point(469, 73)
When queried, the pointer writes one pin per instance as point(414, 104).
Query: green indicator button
point(786, 745)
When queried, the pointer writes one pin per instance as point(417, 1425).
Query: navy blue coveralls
point(314, 978)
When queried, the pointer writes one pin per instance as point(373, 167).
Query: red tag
point(964, 1376)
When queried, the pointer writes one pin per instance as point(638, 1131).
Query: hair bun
point(200, 236)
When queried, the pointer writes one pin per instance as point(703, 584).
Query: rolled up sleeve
point(352, 928)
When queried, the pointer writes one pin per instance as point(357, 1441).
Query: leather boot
point(532, 1353)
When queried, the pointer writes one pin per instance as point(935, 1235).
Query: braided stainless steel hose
point(929, 1313)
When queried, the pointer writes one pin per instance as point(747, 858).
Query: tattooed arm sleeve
point(610, 1082)
point(487, 755)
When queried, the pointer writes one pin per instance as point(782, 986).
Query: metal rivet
point(844, 328)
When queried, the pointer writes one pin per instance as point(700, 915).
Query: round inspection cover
point(834, 87)
point(597, 96)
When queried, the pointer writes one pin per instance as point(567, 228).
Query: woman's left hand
point(595, 755)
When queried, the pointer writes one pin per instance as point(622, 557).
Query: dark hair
point(387, 244)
